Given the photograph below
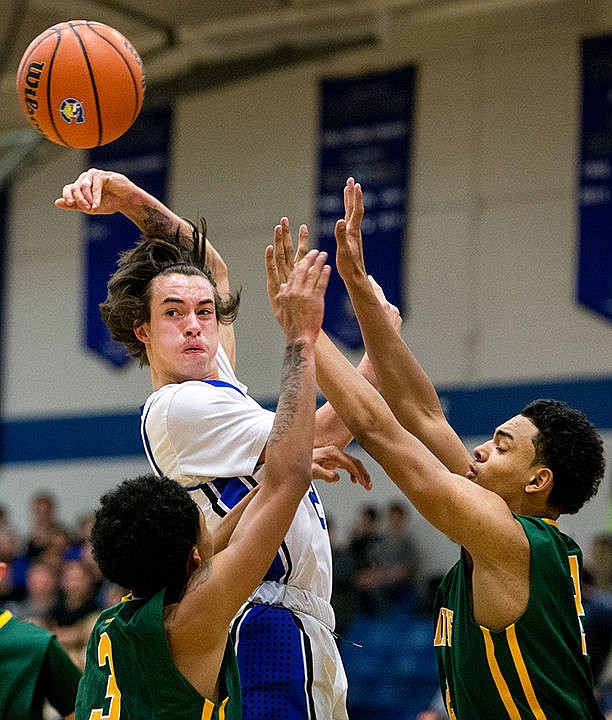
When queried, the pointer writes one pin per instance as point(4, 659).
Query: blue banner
point(143, 155)
point(366, 132)
point(595, 211)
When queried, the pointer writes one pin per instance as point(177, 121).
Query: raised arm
point(331, 434)
point(104, 192)
point(403, 383)
point(471, 515)
point(237, 569)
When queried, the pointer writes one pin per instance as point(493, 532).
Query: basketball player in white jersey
point(201, 427)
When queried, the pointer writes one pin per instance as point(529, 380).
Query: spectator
point(12, 586)
point(54, 553)
point(74, 614)
point(399, 560)
point(365, 550)
point(43, 521)
point(41, 595)
point(342, 568)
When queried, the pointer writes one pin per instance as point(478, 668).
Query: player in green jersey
point(34, 669)
point(509, 633)
point(165, 653)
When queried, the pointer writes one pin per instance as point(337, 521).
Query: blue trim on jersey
point(223, 383)
point(225, 493)
point(281, 567)
point(146, 443)
point(474, 412)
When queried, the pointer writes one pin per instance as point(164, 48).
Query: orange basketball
point(81, 84)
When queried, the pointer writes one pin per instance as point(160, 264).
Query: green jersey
point(130, 673)
point(538, 667)
point(34, 667)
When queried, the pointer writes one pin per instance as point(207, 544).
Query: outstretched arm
point(402, 381)
point(331, 434)
point(329, 428)
point(104, 192)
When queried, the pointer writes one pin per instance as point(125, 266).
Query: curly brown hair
point(128, 300)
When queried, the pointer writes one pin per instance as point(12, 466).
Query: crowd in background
point(53, 580)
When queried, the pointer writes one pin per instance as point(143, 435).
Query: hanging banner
point(143, 155)
point(595, 209)
point(366, 132)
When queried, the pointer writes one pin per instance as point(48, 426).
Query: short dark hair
point(567, 443)
point(128, 300)
point(143, 534)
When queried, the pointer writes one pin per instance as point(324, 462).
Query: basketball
point(81, 84)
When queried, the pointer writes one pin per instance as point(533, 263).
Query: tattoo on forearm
point(156, 224)
point(291, 383)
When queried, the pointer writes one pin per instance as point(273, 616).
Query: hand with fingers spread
point(300, 299)
point(282, 256)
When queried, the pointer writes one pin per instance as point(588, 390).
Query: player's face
point(504, 464)
point(182, 335)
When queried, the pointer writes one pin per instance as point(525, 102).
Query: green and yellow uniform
point(538, 667)
point(34, 667)
point(131, 675)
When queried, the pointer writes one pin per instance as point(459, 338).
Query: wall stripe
point(473, 412)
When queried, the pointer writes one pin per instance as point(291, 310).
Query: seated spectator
point(399, 561)
point(41, 595)
point(13, 586)
point(80, 539)
point(76, 609)
point(80, 549)
point(342, 589)
point(54, 552)
point(366, 560)
point(43, 520)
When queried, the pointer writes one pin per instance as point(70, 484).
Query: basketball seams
point(48, 98)
point(92, 79)
point(118, 50)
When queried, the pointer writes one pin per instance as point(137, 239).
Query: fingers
point(349, 198)
point(329, 459)
point(302, 247)
point(321, 473)
point(271, 272)
point(311, 272)
point(84, 193)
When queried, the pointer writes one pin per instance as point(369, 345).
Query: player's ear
point(142, 333)
point(194, 561)
point(3, 570)
point(542, 480)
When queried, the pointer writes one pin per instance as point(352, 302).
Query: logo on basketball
point(72, 110)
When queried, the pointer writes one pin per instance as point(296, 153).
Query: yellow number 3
point(105, 654)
